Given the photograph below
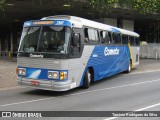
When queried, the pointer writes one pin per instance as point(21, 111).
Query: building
point(15, 12)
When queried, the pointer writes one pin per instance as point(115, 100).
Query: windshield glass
point(45, 39)
point(29, 39)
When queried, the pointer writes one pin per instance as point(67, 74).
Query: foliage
point(143, 6)
point(2, 3)
point(102, 5)
point(147, 6)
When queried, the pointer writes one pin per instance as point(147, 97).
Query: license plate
point(35, 83)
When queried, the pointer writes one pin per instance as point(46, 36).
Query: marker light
point(17, 70)
point(63, 75)
point(53, 74)
point(22, 71)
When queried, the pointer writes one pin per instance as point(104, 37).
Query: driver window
point(76, 43)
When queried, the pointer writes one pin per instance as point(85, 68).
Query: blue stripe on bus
point(107, 64)
point(115, 30)
point(38, 73)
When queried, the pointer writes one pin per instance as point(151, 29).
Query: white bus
point(63, 52)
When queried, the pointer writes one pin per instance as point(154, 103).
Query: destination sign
point(43, 22)
point(48, 23)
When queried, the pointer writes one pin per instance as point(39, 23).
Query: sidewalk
point(8, 71)
point(147, 65)
point(8, 74)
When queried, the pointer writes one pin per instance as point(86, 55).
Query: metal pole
point(11, 40)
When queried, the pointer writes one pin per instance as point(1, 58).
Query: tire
point(87, 79)
point(129, 68)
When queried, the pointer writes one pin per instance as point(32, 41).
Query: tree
point(147, 6)
point(142, 6)
point(102, 5)
point(2, 3)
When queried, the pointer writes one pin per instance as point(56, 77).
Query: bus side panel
point(135, 54)
point(108, 60)
point(77, 66)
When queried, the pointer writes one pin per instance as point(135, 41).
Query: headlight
point(63, 75)
point(22, 71)
point(56, 75)
point(53, 75)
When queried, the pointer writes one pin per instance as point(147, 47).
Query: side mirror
point(76, 39)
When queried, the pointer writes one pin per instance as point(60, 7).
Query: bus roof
point(80, 22)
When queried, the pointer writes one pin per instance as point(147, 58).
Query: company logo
point(60, 23)
point(6, 114)
point(36, 56)
point(108, 51)
point(21, 114)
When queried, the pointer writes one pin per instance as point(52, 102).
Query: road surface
point(123, 92)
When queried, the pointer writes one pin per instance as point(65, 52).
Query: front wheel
point(87, 79)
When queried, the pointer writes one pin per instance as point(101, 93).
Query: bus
point(63, 52)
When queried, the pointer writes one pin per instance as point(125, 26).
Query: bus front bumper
point(47, 84)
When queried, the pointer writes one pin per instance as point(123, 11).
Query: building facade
point(15, 12)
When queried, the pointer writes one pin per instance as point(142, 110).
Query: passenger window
point(86, 39)
point(93, 35)
point(105, 37)
point(124, 39)
point(137, 41)
point(110, 37)
point(96, 36)
point(131, 40)
point(116, 38)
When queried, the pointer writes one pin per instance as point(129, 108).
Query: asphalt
point(119, 93)
point(138, 90)
point(8, 71)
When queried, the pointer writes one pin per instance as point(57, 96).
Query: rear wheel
point(87, 79)
point(129, 67)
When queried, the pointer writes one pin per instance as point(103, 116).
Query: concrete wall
point(108, 21)
point(150, 50)
point(128, 25)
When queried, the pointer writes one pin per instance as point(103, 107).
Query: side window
point(86, 39)
point(110, 37)
point(105, 37)
point(119, 39)
point(116, 38)
point(93, 35)
point(78, 46)
point(124, 39)
point(137, 41)
point(131, 40)
point(96, 36)
point(75, 48)
point(102, 36)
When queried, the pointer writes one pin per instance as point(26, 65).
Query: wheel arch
point(91, 69)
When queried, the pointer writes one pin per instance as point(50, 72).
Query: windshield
point(45, 39)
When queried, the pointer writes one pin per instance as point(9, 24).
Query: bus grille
point(42, 63)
